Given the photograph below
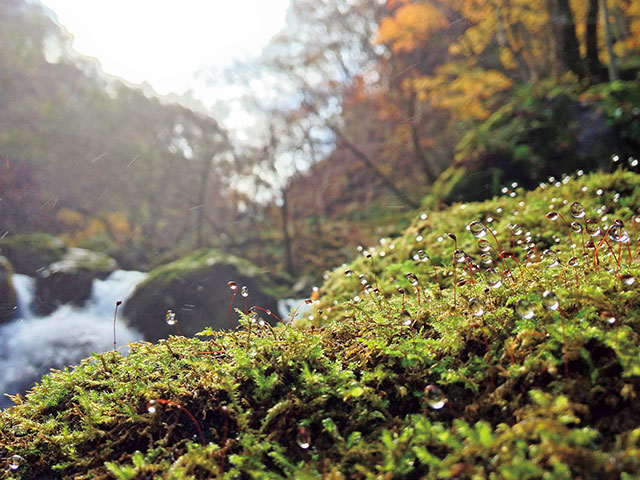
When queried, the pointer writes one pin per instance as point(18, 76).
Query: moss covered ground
point(522, 361)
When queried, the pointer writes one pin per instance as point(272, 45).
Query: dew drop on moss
point(484, 245)
point(553, 216)
point(576, 210)
point(627, 279)
point(151, 406)
point(171, 318)
point(423, 256)
point(608, 317)
point(576, 227)
point(244, 291)
point(493, 278)
point(524, 309)
point(592, 228)
point(304, 438)
point(476, 307)
point(459, 256)
point(550, 300)
point(477, 229)
point(434, 397)
point(413, 280)
point(15, 462)
point(348, 273)
point(232, 285)
point(486, 258)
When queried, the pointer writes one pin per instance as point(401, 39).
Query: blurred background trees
point(375, 108)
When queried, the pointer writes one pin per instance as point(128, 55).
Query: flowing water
point(31, 345)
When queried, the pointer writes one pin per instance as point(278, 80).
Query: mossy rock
point(31, 253)
point(70, 279)
point(8, 298)
point(465, 379)
point(196, 288)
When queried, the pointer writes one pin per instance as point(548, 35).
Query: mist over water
point(31, 345)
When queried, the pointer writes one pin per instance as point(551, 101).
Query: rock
point(8, 298)
point(70, 279)
point(195, 288)
point(32, 253)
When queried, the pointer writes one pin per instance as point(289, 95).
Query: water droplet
point(608, 317)
point(253, 316)
point(524, 309)
point(486, 258)
point(268, 312)
point(304, 438)
point(363, 279)
point(423, 256)
point(493, 278)
point(618, 235)
point(400, 289)
point(171, 317)
point(550, 300)
point(627, 279)
point(423, 216)
point(484, 245)
point(476, 307)
point(576, 210)
point(553, 216)
point(244, 291)
point(573, 262)
point(592, 228)
point(232, 285)
point(151, 406)
point(576, 227)
point(348, 273)
point(434, 397)
point(477, 229)
point(459, 256)
point(412, 279)
point(550, 258)
point(15, 462)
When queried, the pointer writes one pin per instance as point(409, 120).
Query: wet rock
point(32, 253)
point(196, 289)
point(70, 279)
point(8, 299)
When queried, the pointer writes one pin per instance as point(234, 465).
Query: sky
point(166, 42)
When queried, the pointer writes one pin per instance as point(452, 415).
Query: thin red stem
point(230, 306)
point(193, 419)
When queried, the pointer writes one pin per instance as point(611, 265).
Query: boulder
point(196, 289)
point(32, 253)
point(8, 298)
point(70, 279)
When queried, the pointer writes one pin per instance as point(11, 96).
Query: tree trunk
point(369, 163)
point(613, 70)
point(592, 61)
point(566, 50)
point(288, 257)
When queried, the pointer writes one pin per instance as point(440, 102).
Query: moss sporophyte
point(517, 363)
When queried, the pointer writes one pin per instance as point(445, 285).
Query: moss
point(387, 386)
point(30, 252)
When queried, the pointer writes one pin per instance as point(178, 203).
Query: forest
point(390, 107)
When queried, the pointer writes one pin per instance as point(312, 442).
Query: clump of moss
point(420, 384)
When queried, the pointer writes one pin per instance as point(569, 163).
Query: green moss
point(356, 384)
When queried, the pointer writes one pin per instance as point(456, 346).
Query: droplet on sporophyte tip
point(486, 258)
point(268, 312)
point(576, 210)
point(477, 229)
point(608, 317)
point(253, 316)
point(550, 258)
point(627, 279)
point(348, 273)
point(525, 309)
point(493, 278)
point(573, 262)
point(232, 285)
point(151, 406)
point(400, 289)
point(244, 291)
point(553, 216)
point(550, 300)
point(170, 318)
point(15, 462)
point(576, 227)
point(413, 279)
point(423, 256)
point(434, 397)
point(363, 279)
point(304, 438)
point(484, 245)
point(592, 228)
point(618, 235)
point(476, 307)
point(459, 256)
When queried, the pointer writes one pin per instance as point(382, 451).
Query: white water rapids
point(31, 345)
